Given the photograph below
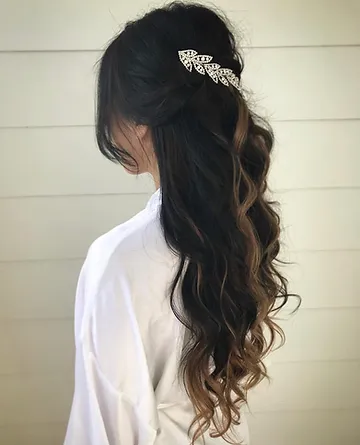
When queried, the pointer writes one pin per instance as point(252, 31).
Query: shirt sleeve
point(101, 413)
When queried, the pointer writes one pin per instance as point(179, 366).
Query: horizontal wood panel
point(89, 25)
point(35, 399)
point(40, 25)
point(309, 386)
point(316, 427)
point(315, 154)
point(57, 89)
point(307, 155)
point(52, 152)
point(295, 23)
point(38, 228)
point(321, 219)
point(33, 434)
point(296, 386)
point(48, 228)
point(313, 335)
point(46, 346)
point(45, 89)
point(303, 83)
point(36, 346)
point(299, 428)
point(40, 289)
point(46, 289)
point(325, 279)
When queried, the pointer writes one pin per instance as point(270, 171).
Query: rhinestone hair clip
point(201, 62)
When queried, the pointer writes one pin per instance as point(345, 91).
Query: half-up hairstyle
point(213, 156)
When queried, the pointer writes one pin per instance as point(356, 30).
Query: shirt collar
point(154, 201)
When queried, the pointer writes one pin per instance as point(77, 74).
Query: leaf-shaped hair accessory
point(203, 65)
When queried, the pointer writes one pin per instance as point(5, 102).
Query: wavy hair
point(213, 155)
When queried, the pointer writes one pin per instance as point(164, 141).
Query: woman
point(172, 306)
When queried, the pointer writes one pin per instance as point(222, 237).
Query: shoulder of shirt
point(127, 240)
point(131, 253)
point(129, 248)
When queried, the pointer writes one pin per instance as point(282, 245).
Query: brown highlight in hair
point(213, 157)
point(217, 396)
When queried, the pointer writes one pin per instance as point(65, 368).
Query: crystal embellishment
point(203, 65)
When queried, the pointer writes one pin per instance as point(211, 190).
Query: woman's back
point(129, 342)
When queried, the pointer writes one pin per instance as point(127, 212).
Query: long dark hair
point(213, 156)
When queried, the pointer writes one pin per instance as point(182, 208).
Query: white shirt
point(128, 343)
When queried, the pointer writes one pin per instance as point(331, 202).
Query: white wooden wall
point(57, 194)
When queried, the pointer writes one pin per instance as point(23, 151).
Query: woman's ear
point(142, 132)
point(143, 135)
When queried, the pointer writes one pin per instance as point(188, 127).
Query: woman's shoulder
point(122, 291)
point(133, 252)
point(126, 244)
point(131, 240)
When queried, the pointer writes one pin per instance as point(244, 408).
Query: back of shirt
point(129, 343)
